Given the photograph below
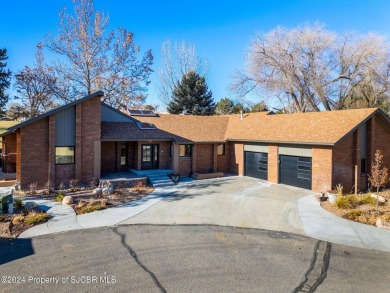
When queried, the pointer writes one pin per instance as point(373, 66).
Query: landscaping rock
point(68, 200)
point(382, 224)
point(30, 205)
point(97, 191)
point(381, 199)
point(108, 190)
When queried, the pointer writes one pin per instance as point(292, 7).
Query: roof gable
point(52, 112)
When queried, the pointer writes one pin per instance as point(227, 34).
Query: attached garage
point(256, 161)
point(295, 166)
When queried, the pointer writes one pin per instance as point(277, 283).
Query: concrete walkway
point(230, 201)
point(65, 219)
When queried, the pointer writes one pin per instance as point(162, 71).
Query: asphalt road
point(147, 258)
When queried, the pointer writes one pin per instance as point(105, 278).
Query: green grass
point(90, 208)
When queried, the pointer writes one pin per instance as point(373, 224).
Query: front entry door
point(149, 155)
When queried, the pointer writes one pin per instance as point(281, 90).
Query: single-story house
point(87, 137)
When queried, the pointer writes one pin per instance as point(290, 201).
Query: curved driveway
point(229, 201)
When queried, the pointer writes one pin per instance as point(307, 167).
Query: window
point(124, 154)
point(185, 150)
point(64, 155)
point(221, 149)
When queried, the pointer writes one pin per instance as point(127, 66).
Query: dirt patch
point(362, 213)
point(12, 225)
point(85, 201)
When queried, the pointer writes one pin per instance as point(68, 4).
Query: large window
point(221, 149)
point(64, 155)
point(185, 150)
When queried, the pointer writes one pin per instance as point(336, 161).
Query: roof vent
point(146, 125)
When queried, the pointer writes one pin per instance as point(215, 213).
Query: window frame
point(185, 151)
point(223, 149)
point(74, 155)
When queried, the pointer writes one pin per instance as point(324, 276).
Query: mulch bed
point(369, 210)
point(8, 230)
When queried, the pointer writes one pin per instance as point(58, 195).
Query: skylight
point(146, 125)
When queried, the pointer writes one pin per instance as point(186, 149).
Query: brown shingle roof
point(313, 127)
point(325, 128)
point(193, 128)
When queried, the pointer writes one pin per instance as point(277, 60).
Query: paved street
point(147, 258)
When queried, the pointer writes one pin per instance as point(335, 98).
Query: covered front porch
point(182, 158)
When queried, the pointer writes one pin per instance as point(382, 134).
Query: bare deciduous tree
point(310, 68)
point(92, 59)
point(177, 61)
point(379, 174)
point(36, 87)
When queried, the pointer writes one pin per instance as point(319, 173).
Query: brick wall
point(164, 149)
point(108, 156)
point(273, 163)
point(87, 132)
point(321, 168)
point(223, 160)
point(382, 141)
point(34, 149)
point(64, 173)
point(343, 163)
point(204, 158)
point(236, 158)
point(185, 166)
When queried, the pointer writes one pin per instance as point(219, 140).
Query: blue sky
point(220, 30)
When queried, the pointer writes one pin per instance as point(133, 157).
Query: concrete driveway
point(229, 201)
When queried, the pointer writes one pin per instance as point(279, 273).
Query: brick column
point(322, 168)
point(215, 157)
point(52, 149)
point(194, 155)
point(78, 153)
point(273, 163)
point(176, 151)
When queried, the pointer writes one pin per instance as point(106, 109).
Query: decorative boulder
point(382, 224)
point(97, 191)
point(30, 205)
point(108, 190)
point(381, 199)
point(68, 200)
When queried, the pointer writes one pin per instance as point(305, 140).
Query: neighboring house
point(8, 162)
point(86, 138)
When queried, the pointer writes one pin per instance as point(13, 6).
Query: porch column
point(215, 157)
point(118, 146)
point(52, 149)
point(176, 151)
point(78, 153)
point(194, 159)
point(97, 150)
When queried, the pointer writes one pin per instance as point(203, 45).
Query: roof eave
point(283, 142)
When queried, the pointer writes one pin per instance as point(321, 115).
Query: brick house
point(87, 138)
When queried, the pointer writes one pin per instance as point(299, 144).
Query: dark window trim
point(185, 146)
point(66, 146)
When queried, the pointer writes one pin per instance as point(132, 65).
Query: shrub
point(60, 196)
point(32, 187)
point(17, 219)
point(49, 187)
point(368, 199)
point(94, 182)
point(339, 189)
point(2, 218)
point(353, 215)
point(36, 218)
point(347, 202)
point(138, 187)
point(18, 203)
point(90, 208)
point(74, 183)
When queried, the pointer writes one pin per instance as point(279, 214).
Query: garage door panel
point(296, 171)
point(256, 165)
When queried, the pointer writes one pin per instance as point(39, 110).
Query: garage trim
point(258, 148)
point(296, 151)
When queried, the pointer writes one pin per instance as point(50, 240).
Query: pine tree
point(5, 78)
point(193, 95)
point(224, 106)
